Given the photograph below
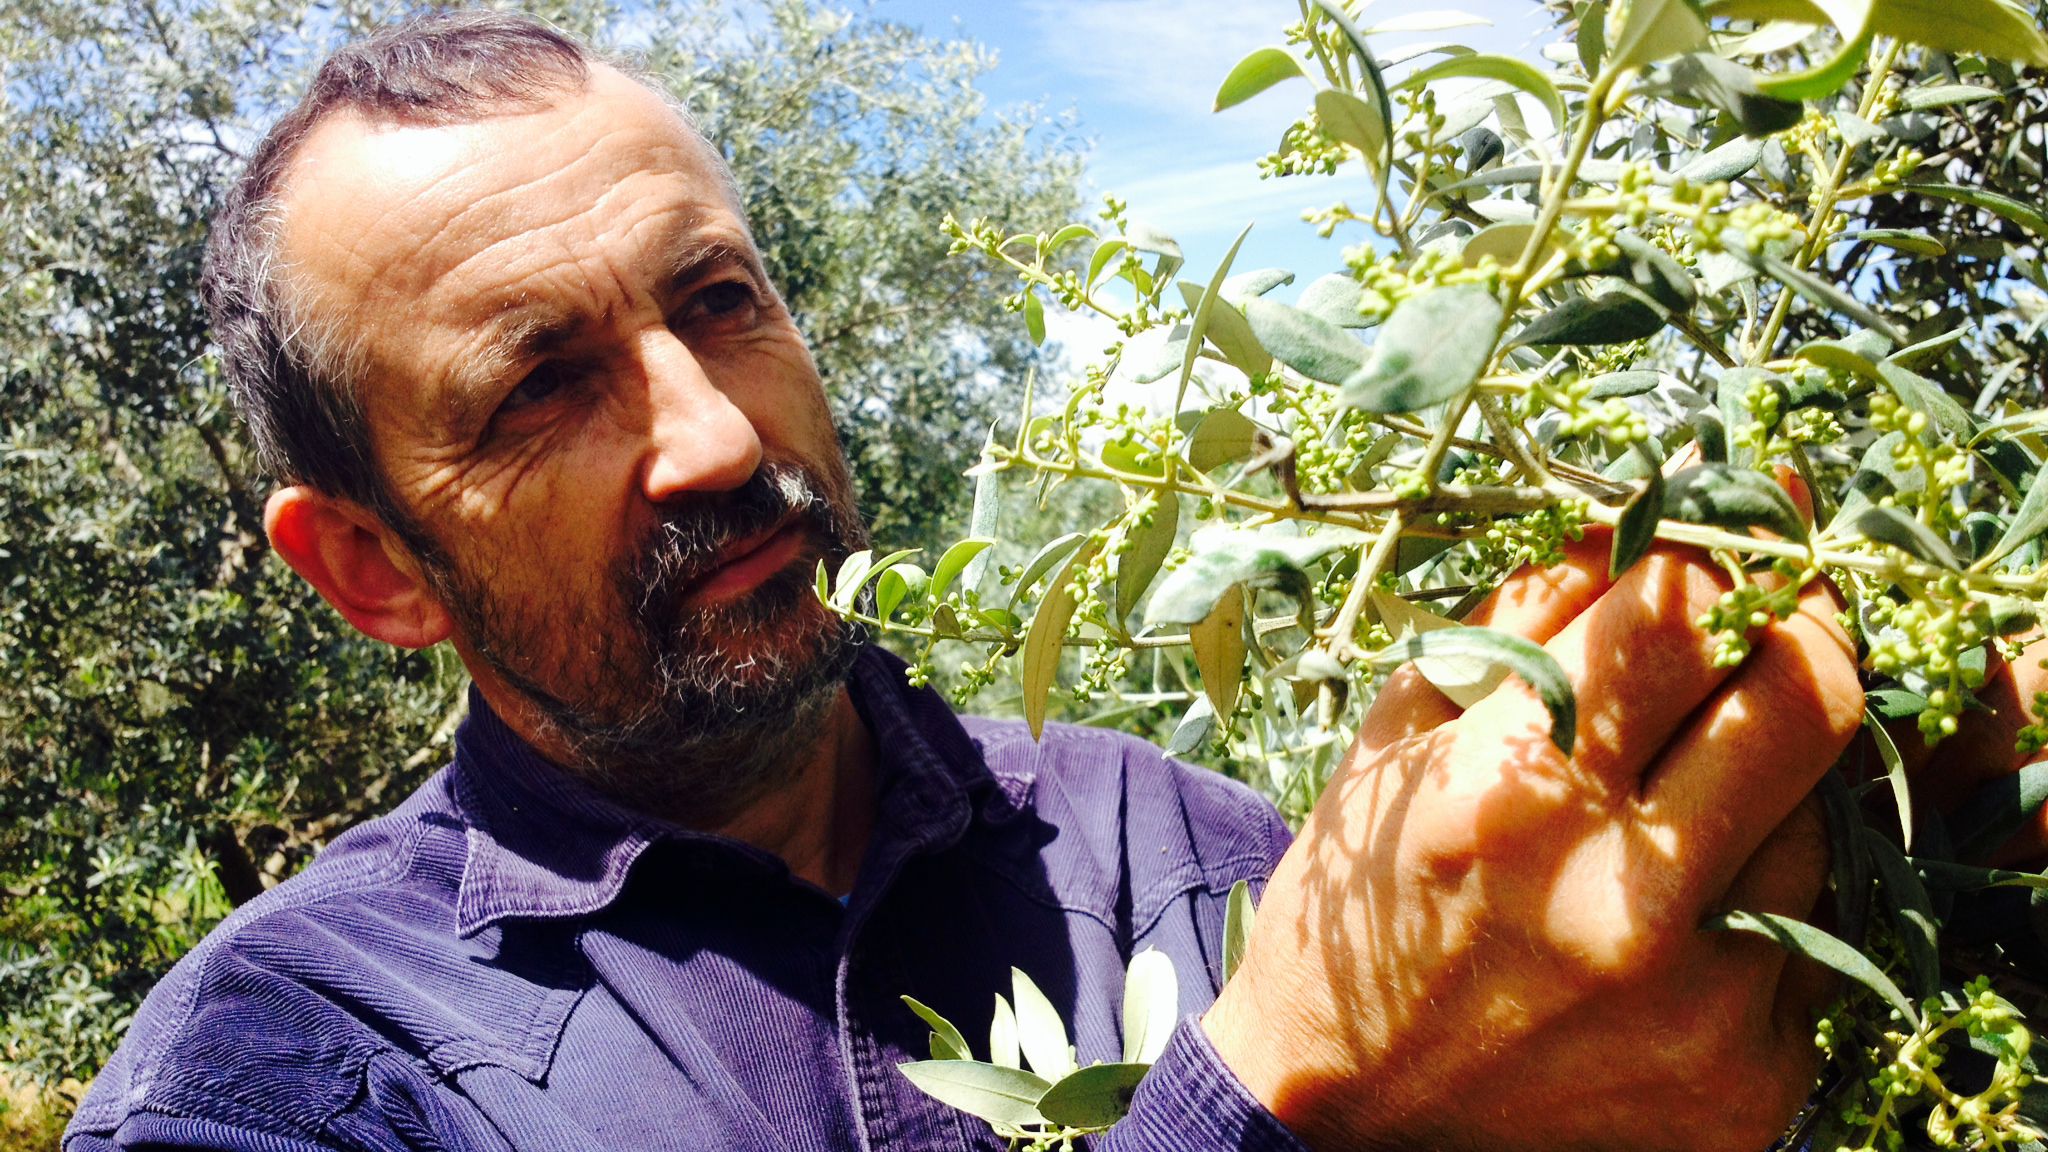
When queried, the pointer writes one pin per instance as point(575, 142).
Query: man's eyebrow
point(694, 259)
point(524, 330)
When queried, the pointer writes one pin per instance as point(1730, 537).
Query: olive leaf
point(1757, 105)
point(1998, 809)
point(1656, 30)
point(1093, 1097)
point(1506, 69)
point(2029, 521)
point(1816, 945)
point(1334, 299)
point(999, 1095)
point(1195, 727)
point(1046, 641)
point(1040, 1033)
point(1256, 73)
point(1894, 764)
point(1537, 668)
point(955, 561)
point(947, 1042)
point(1913, 920)
point(1242, 286)
point(1615, 317)
point(1636, 529)
point(1147, 542)
point(1432, 348)
point(1218, 642)
point(1725, 497)
point(1889, 525)
point(1151, 1005)
point(1002, 1035)
point(1303, 341)
point(1259, 558)
point(1238, 915)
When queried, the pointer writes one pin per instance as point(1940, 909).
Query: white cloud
point(1164, 54)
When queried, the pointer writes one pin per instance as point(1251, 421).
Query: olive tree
point(182, 723)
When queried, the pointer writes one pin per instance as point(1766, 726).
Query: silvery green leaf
point(1611, 385)
point(1194, 728)
point(1149, 542)
point(1737, 92)
point(947, 1042)
point(1913, 921)
point(1818, 946)
point(1040, 1032)
point(996, 1094)
point(1725, 497)
point(1303, 341)
point(1093, 1097)
point(1431, 349)
point(1989, 818)
point(1636, 530)
point(1225, 558)
point(1051, 553)
point(1238, 915)
point(955, 561)
point(1618, 317)
point(1244, 285)
point(1151, 1005)
point(2029, 521)
point(1256, 73)
point(1894, 526)
point(1656, 30)
point(1039, 661)
point(1538, 668)
point(1334, 299)
point(1727, 162)
point(1002, 1035)
point(1919, 392)
point(1220, 436)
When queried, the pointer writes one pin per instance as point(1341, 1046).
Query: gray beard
point(708, 734)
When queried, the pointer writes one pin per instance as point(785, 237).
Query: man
point(493, 313)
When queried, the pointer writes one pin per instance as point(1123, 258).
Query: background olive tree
point(181, 722)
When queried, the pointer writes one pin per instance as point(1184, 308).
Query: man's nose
point(698, 439)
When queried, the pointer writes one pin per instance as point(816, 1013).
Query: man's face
point(590, 402)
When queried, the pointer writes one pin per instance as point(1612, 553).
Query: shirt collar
point(545, 845)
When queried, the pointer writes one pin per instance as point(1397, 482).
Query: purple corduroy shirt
point(511, 961)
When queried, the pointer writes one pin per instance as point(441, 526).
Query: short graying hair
point(294, 375)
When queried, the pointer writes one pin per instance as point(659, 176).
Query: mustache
point(686, 545)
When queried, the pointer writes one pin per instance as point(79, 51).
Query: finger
point(1982, 748)
point(1787, 876)
point(1795, 487)
point(1637, 662)
point(1536, 603)
point(1753, 754)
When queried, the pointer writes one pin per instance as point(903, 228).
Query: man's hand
point(1479, 943)
point(1982, 750)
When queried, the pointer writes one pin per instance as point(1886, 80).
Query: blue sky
point(1141, 76)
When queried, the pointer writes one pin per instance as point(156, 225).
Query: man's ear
point(356, 564)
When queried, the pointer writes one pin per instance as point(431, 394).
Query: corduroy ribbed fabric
point(511, 961)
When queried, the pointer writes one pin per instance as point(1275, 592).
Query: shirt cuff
point(1190, 1101)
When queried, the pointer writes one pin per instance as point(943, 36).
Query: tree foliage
point(181, 722)
point(1702, 247)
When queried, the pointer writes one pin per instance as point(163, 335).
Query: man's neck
point(819, 824)
point(817, 820)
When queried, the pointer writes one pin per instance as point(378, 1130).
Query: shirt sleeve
point(1190, 1101)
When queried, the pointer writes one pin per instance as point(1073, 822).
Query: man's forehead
point(384, 207)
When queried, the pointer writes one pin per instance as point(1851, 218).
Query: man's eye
point(727, 299)
point(539, 384)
